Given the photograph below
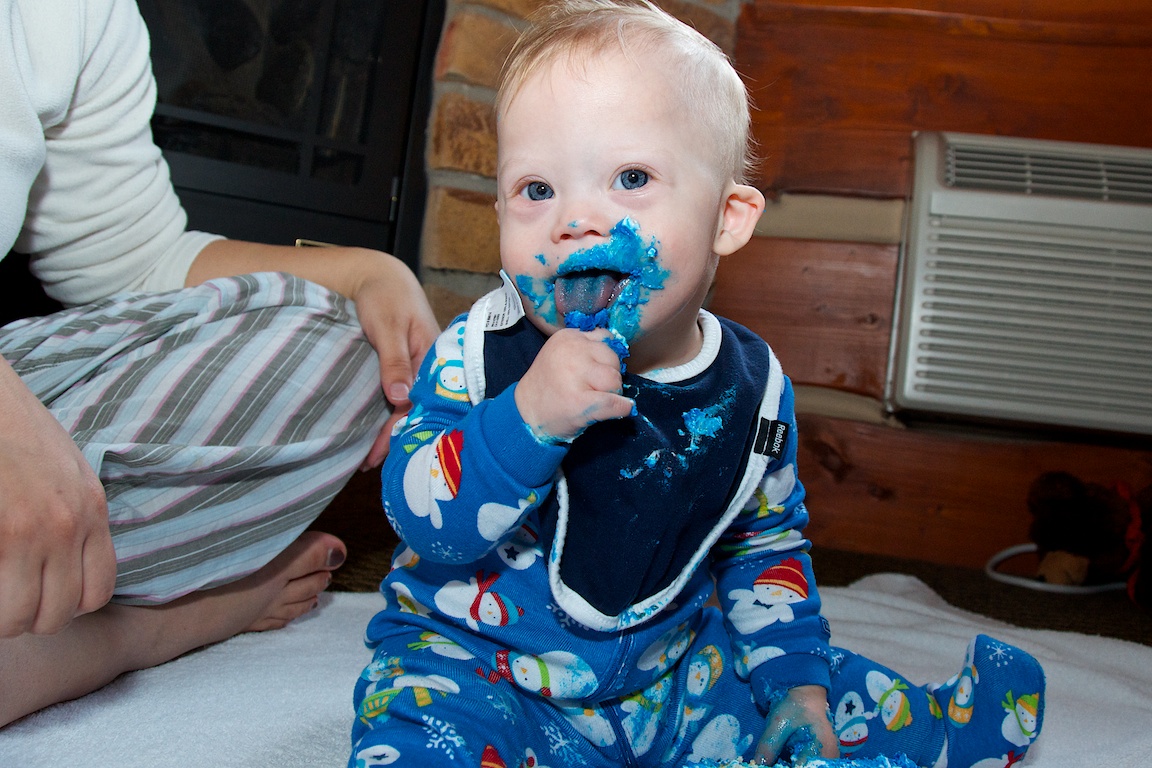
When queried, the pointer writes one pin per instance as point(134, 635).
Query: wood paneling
point(948, 497)
point(949, 494)
point(840, 86)
point(824, 307)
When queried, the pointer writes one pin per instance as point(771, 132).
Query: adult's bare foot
point(286, 588)
point(39, 670)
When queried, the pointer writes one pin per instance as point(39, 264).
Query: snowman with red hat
point(771, 597)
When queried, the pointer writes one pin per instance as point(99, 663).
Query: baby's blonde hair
point(703, 73)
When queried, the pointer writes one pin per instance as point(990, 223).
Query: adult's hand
point(399, 324)
point(56, 556)
point(390, 303)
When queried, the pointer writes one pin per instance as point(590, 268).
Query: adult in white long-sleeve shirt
point(85, 192)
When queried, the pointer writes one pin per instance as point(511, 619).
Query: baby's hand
point(798, 725)
point(573, 383)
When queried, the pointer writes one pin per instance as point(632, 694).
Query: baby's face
point(610, 201)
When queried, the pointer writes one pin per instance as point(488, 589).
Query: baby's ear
point(738, 216)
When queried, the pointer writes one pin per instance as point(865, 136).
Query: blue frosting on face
point(538, 293)
point(625, 252)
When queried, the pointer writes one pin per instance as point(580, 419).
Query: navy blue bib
point(645, 491)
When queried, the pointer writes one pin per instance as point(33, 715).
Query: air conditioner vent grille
point(1020, 305)
point(1086, 176)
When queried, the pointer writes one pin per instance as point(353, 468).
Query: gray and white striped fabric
point(221, 419)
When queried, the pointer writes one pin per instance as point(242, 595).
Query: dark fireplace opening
point(297, 119)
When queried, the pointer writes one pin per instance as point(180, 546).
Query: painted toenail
point(335, 558)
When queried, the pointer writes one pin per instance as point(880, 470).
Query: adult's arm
point(57, 72)
point(101, 216)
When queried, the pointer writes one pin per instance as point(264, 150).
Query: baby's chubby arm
point(772, 606)
point(573, 383)
point(460, 478)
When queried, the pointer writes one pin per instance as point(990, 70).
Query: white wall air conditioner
point(1025, 289)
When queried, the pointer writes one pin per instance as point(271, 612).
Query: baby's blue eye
point(633, 178)
point(537, 190)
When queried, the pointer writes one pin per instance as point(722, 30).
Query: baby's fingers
point(770, 746)
point(613, 406)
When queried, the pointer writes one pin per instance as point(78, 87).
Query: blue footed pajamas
point(546, 606)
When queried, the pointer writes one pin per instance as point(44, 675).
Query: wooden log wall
point(840, 85)
point(840, 88)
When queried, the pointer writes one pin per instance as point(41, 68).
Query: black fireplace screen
point(286, 119)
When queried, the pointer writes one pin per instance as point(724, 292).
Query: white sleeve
point(102, 215)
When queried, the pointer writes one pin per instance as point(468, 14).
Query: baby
point(590, 455)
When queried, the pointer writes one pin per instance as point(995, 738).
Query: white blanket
point(283, 699)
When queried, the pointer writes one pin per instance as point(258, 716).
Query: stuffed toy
point(1092, 535)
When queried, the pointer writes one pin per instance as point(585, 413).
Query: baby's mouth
point(587, 291)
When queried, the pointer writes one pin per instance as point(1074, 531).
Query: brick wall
point(460, 255)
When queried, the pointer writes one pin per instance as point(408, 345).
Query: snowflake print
point(503, 706)
point(442, 736)
point(1000, 654)
point(446, 552)
point(565, 620)
point(563, 747)
point(390, 515)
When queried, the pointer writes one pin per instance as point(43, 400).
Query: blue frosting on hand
point(585, 322)
point(618, 345)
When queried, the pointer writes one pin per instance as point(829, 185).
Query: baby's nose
point(572, 227)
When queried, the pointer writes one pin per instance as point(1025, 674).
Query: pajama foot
point(994, 708)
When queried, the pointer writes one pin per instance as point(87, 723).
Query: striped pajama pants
point(220, 419)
